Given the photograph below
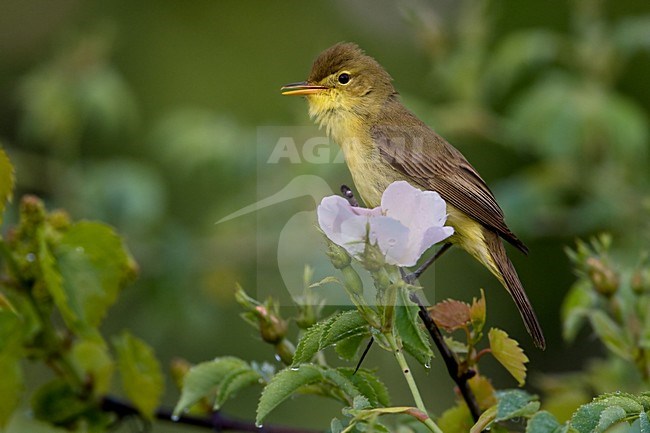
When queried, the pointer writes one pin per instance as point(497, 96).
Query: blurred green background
point(147, 115)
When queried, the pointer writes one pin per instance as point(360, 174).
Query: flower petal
point(408, 223)
point(353, 234)
point(343, 225)
point(432, 236)
point(416, 209)
point(332, 212)
point(392, 237)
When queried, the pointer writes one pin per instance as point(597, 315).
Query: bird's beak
point(302, 88)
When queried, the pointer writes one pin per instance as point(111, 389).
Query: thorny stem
point(406, 371)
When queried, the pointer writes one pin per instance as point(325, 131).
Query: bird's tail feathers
point(510, 280)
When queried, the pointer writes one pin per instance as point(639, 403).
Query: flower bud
point(602, 276)
point(640, 281)
point(273, 329)
point(373, 258)
point(338, 256)
point(352, 281)
point(32, 217)
point(59, 220)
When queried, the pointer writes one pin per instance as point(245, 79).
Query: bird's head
point(343, 81)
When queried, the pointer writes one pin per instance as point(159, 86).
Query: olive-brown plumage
point(353, 97)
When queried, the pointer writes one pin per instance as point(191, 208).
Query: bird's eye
point(344, 78)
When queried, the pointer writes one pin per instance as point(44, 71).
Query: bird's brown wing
point(418, 152)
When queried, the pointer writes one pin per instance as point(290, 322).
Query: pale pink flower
point(407, 223)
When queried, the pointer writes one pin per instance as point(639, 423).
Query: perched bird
point(352, 96)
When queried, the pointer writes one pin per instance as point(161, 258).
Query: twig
point(457, 374)
point(217, 421)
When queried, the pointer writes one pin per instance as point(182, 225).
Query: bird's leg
point(410, 278)
point(349, 196)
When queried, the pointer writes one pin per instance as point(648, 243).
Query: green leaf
point(7, 180)
point(57, 403)
point(341, 382)
point(309, 343)
point(478, 313)
point(456, 419)
point(409, 328)
point(349, 347)
point(597, 417)
point(54, 283)
point(610, 416)
point(542, 422)
point(202, 380)
point(632, 404)
point(509, 354)
point(142, 377)
point(233, 382)
point(11, 332)
point(644, 423)
point(11, 385)
point(611, 334)
point(368, 384)
point(515, 403)
point(283, 385)
point(94, 266)
point(483, 391)
point(345, 325)
point(92, 360)
point(575, 309)
point(336, 426)
point(485, 420)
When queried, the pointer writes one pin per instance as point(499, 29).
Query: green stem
point(406, 371)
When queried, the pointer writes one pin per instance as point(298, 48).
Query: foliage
point(563, 104)
point(58, 280)
point(60, 277)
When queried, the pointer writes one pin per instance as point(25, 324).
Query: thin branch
point(217, 421)
point(456, 373)
point(410, 278)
